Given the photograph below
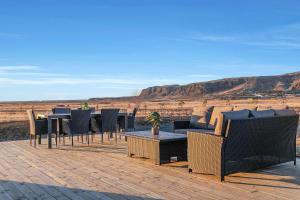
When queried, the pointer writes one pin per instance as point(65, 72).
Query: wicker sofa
point(206, 118)
point(245, 144)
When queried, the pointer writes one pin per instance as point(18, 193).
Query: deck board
point(106, 172)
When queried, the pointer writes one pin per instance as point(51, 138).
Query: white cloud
point(10, 35)
point(18, 68)
point(28, 75)
point(285, 37)
point(211, 38)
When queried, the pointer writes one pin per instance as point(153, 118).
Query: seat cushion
point(223, 118)
point(285, 112)
point(262, 113)
point(203, 120)
point(216, 113)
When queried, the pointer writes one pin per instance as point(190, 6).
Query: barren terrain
point(14, 125)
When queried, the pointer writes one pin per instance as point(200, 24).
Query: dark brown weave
point(249, 144)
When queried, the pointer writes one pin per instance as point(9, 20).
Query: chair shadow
point(287, 174)
point(98, 149)
point(24, 190)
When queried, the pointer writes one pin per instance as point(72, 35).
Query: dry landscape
point(14, 124)
point(172, 102)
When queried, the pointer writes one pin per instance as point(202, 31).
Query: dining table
point(60, 116)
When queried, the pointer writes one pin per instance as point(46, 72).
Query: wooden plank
point(105, 172)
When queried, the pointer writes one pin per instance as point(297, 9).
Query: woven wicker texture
point(249, 144)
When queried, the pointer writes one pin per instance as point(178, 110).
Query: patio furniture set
point(66, 122)
point(220, 142)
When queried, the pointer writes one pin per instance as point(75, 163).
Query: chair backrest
point(93, 109)
point(134, 112)
point(80, 121)
point(109, 118)
point(260, 141)
point(59, 110)
point(31, 118)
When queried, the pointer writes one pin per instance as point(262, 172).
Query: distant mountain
point(230, 87)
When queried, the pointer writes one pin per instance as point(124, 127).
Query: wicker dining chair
point(57, 123)
point(107, 123)
point(38, 127)
point(131, 119)
point(78, 124)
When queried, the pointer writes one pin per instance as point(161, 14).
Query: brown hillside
point(244, 86)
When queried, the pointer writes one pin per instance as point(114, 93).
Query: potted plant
point(155, 120)
point(85, 106)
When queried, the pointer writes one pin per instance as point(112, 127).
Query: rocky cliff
point(229, 87)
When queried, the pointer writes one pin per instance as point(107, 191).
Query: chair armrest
point(181, 124)
point(205, 153)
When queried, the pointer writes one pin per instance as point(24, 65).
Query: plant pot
point(155, 130)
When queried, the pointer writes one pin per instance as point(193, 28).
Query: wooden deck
point(105, 172)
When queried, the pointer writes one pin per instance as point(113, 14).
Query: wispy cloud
point(285, 37)
point(26, 70)
point(14, 68)
point(10, 35)
point(34, 75)
point(211, 37)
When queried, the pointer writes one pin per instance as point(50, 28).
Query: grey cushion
point(195, 122)
point(216, 113)
point(285, 112)
point(203, 121)
point(262, 113)
point(223, 118)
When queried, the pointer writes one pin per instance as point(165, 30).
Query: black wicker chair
point(130, 121)
point(107, 123)
point(248, 144)
point(79, 124)
point(38, 127)
point(57, 123)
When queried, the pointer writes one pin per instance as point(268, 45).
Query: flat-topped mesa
point(243, 86)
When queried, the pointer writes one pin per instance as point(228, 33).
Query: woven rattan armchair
point(248, 144)
point(38, 127)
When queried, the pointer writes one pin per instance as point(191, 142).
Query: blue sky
point(59, 49)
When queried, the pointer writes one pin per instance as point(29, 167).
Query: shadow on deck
point(106, 172)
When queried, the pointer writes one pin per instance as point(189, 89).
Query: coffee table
point(158, 148)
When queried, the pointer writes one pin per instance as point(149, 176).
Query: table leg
point(59, 123)
point(126, 122)
point(49, 132)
